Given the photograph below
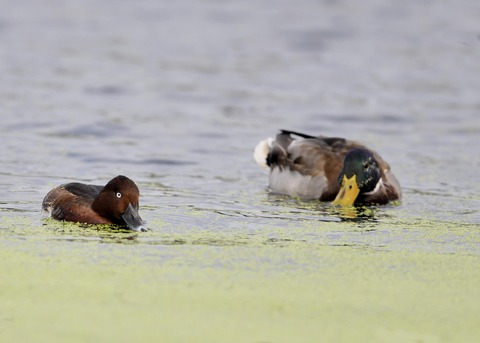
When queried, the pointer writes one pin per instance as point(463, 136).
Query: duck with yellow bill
point(327, 168)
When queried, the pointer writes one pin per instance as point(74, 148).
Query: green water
point(272, 286)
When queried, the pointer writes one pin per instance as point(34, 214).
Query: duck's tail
point(261, 152)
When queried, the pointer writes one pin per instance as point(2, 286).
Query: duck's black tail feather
point(299, 134)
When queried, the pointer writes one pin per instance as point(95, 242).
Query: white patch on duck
point(261, 152)
point(290, 182)
point(376, 189)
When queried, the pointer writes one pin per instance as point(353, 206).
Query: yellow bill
point(348, 192)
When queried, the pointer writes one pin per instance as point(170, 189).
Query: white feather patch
point(261, 152)
point(377, 187)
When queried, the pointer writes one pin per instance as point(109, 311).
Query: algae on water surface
point(269, 287)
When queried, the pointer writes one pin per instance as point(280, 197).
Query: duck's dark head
point(360, 174)
point(118, 201)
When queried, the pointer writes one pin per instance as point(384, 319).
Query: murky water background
point(175, 95)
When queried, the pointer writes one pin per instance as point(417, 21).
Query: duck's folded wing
point(61, 204)
point(82, 190)
point(72, 202)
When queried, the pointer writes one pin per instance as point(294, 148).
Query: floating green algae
point(277, 285)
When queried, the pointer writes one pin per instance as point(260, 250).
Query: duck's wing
point(309, 155)
point(82, 190)
point(336, 145)
point(72, 202)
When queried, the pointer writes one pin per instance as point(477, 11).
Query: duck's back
point(82, 190)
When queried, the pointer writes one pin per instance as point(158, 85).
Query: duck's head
point(118, 201)
point(360, 174)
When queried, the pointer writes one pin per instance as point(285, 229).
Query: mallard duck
point(327, 168)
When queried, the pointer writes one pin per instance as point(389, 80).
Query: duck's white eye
point(119, 195)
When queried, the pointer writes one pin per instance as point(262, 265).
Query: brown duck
point(327, 168)
point(114, 203)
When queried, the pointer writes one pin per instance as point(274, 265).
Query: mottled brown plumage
point(310, 167)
